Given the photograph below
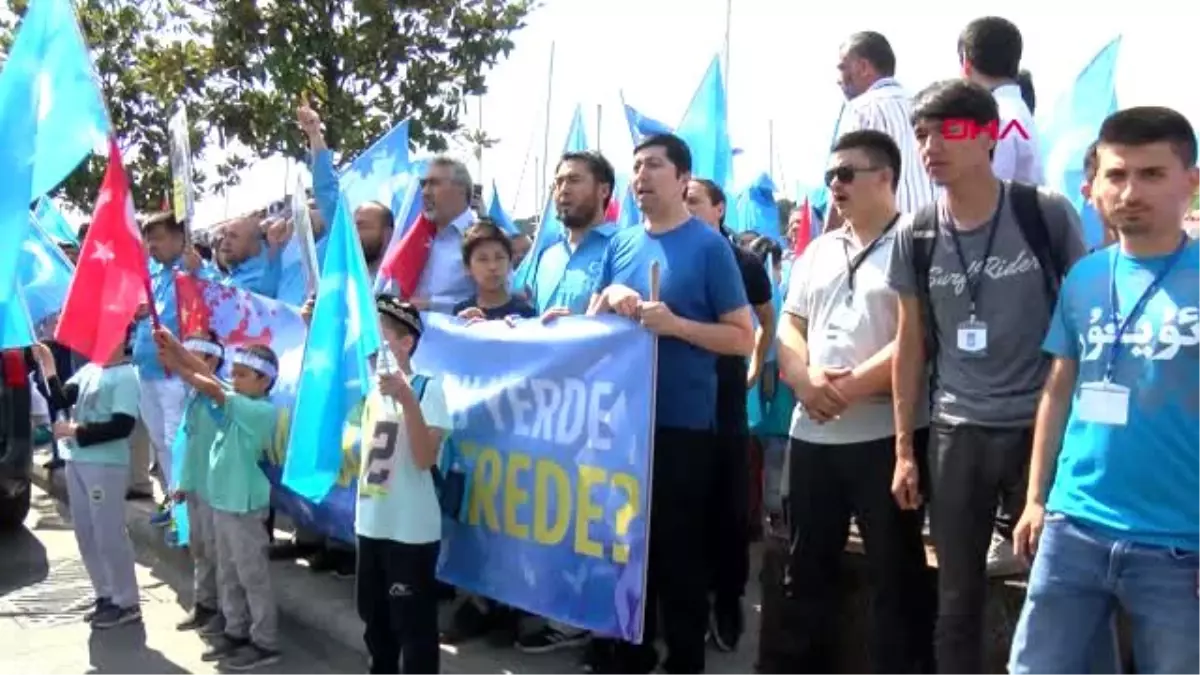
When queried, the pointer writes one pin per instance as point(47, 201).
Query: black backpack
point(1031, 220)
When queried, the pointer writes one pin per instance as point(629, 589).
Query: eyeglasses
point(846, 174)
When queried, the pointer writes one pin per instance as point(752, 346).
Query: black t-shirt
point(514, 305)
point(731, 370)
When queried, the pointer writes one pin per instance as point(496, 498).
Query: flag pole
point(546, 132)
point(599, 118)
point(725, 55)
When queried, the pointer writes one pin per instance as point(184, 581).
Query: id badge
point(844, 317)
point(972, 337)
point(1104, 403)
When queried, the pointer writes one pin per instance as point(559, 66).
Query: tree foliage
point(241, 67)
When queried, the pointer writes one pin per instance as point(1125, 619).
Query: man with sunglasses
point(836, 341)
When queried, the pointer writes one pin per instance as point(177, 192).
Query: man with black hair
point(836, 345)
point(875, 100)
point(989, 52)
point(1111, 511)
point(977, 275)
point(1085, 189)
point(700, 312)
point(730, 510)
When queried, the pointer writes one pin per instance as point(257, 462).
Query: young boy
point(201, 420)
point(398, 520)
point(95, 446)
point(238, 493)
point(488, 254)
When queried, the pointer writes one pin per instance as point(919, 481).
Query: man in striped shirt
point(874, 100)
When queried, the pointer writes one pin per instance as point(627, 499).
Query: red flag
point(194, 313)
point(111, 278)
point(405, 262)
point(166, 202)
point(803, 233)
point(613, 212)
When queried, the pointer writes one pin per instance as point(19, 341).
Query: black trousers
point(397, 600)
point(828, 485)
point(678, 576)
point(729, 515)
point(972, 468)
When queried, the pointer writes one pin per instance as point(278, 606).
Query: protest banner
point(554, 425)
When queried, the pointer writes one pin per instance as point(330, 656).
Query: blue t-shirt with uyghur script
point(1138, 481)
point(699, 280)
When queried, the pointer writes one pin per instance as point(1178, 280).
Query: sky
point(781, 79)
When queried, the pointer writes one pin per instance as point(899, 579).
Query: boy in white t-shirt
point(398, 520)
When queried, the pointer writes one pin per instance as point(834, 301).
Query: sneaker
point(726, 624)
point(344, 569)
point(215, 626)
point(99, 605)
point(1001, 561)
point(468, 622)
point(113, 616)
point(252, 656)
point(223, 647)
point(138, 496)
point(161, 518)
point(549, 639)
point(198, 618)
point(322, 561)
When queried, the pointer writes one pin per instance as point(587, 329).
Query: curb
point(317, 602)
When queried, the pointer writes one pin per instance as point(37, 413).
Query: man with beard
point(251, 262)
point(564, 278)
point(446, 199)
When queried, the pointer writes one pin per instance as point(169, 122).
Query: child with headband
point(202, 418)
point(239, 494)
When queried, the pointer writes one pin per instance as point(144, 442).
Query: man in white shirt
point(874, 100)
point(836, 341)
point(989, 51)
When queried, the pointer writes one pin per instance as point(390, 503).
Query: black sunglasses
point(846, 174)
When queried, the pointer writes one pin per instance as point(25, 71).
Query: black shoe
point(223, 647)
point(287, 550)
point(138, 496)
point(322, 561)
point(198, 618)
point(96, 607)
point(344, 567)
point(550, 639)
point(726, 624)
point(113, 616)
point(252, 656)
point(467, 623)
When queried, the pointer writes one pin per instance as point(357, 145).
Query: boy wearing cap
point(398, 520)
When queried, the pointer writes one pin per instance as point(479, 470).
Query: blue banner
point(552, 424)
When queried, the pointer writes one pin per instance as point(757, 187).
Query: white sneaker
point(1001, 561)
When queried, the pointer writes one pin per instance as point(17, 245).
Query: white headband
point(204, 347)
point(249, 360)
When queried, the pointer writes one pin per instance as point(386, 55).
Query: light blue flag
point(53, 222)
point(45, 275)
point(1072, 126)
point(550, 228)
point(757, 210)
point(50, 56)
point(495, 211)
point(642, 126)
point(705, 127)
point(344, 332)
point(380, 173)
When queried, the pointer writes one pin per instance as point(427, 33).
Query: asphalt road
point(44, 592)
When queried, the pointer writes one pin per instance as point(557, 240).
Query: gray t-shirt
point(1000, 386)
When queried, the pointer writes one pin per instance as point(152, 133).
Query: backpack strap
point(924, 241)
point(418, 383)
point(1032, 221)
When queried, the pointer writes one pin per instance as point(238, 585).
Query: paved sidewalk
point(325, 605)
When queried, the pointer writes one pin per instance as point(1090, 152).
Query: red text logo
point(962, 129)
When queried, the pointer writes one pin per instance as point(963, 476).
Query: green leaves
point(241, 68)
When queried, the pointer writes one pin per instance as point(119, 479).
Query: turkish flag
point(613, 212)
point(195, 316)
point(804, 231)
point(405, 262)
point(111, 278)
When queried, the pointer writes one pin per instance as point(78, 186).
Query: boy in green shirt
point(202, 418)
point(239, 494)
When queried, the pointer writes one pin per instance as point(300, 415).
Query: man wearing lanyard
point(836, 342)
point(976, 310)
point(1111, 512)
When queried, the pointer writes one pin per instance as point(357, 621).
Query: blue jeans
point(1080, 576)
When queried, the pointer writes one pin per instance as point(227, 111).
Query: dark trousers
point(678, 578)
point(828, 485)
point(397, 600)
point(729, 517)
point(972, 468)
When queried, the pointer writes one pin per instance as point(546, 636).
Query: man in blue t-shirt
point(1115, 445)
point(700, 312)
